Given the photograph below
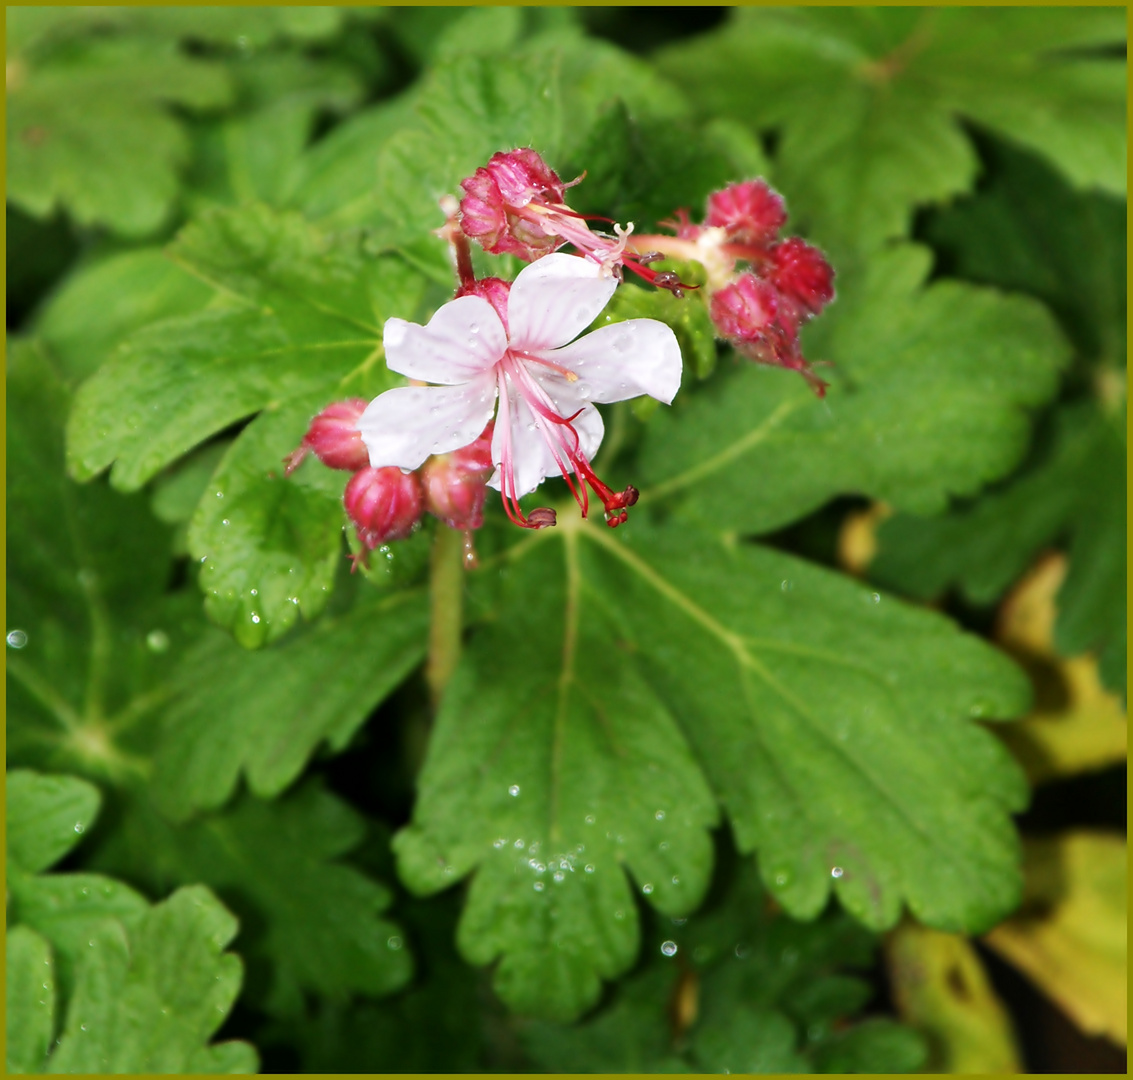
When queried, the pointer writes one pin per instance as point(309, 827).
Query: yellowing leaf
point(940, 987)
point(1070, 936)
point(1076, 725)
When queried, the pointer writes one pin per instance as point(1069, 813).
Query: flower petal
point(531, 455)
point(462, 340)
point(554, 299)
point(620, 361)
point(402, 427)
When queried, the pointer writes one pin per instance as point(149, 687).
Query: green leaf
point(644, 170)
point(265, 715)
point(746, 1040)
point(89, 129)
point(571, 772)
point(307, 331)
point(847, 723)
point(94, 628)
point(738, 985)
point(46, 816)
point(436, 1024)
point(867, 101)
point(268, 545)
point(929, 390)
point(876, 1046)
point(311, 922)
point(305, 315)
point(148, 998)
point(239, 27)
point(1028, 230)
point(1073, 485)
point(253, 154)
point(30, 998)
point(100, 304)
point(833, 725)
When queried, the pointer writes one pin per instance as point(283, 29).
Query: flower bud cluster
point(388, 503)
point(774, 286)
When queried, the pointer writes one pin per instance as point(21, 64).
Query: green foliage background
point(694, 760)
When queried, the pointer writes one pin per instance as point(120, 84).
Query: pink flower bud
point(495, 291)
point(522, 175)
point(384, 504)
point(497, 207)
point(454, 484)
point(744, 310)
point(750, 212)
point(804, 278)
point(334, 438)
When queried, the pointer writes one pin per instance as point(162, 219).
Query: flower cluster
point(387, 503)
point(762, 289)
point(503, 387)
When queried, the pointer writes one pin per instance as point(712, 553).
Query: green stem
point(446, 609)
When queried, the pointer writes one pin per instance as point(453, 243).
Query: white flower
point(543, 379)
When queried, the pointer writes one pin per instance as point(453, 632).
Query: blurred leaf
point(311, 923)
point(436, 1024)
point(240, 27)
point(1070, 936)
point(877, 1045)
point(30, 1000)
point(265, 715)
point(148, 998)
point(928, 397)
point(644, 170)
point(252, 154)
point(1028, 230)
point(1076, 725)
point(1072, 485)
point(838, 711)
point(93, 631)
point(940, 988)
point(46, 816)
point(99, 304)
point(867, 101)
point(89, 127)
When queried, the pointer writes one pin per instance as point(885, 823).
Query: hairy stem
point(446, 609)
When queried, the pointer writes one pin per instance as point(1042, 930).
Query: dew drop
point(558, 875)
point(497, 844)
point(79, 826)
point(513, 791)
point(619, 914)
point(393, 943)
point(590, 819)
point(669, 948)
point(785, 585)
point(82, 1027)
point(17, 639)
point(663, 846)
point(647, 888)
point(660, 815)
point(539, 886)
point(157, 641)
point(589, 868)
point(741, 950)
point(224, 521)
point(255, 617)
point(836, 871)
point(519, 843)
point(676, 880)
